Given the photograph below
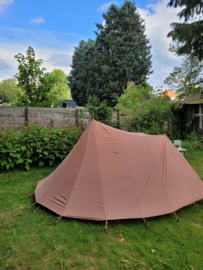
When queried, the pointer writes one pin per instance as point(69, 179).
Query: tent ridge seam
point(130, 175)
point(99, 171)
point(158, 173)
point(75, 178)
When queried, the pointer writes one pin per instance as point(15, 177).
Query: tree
point(121, 54)
point(122, 51)
point(82, 75)
point(59, 84)
point(8, 90)
point(32, 81)
point(189, 35)
point(187, 79)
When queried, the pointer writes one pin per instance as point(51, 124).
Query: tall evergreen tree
point(188, 34)
point(122, 51)
point(121, 54)
point(82, 73)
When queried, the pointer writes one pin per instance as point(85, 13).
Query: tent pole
point(177, 218)
point(106, 226)
point(146, 223)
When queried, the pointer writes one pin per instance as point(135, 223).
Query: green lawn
point(32, 240)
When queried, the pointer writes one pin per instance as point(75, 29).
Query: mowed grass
point(32, 240)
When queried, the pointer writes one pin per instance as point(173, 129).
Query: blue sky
point(53, 28)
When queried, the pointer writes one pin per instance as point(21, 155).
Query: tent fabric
point(113, 174)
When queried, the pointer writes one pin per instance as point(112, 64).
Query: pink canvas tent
point(113, 174)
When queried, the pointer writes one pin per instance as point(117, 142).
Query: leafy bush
point(142, 110)
point(99, 110)
point(37, 145)
point(194, 141)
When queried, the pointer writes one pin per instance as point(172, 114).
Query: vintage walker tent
point(113, 174)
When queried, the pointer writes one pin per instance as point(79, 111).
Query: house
point(196, 101)
point(173, 96)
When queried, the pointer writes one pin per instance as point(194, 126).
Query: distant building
point(196, 102)
point(173, 96)
point(68, 104)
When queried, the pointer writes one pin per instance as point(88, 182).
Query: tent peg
point(58, 218)
point(177, 217)
point(31, 194)
point(106, 226)
point(32, 206)
point(146, 223)
point(37, 208)
point(195, 204)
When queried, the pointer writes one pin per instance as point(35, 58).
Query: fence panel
point(15, 116)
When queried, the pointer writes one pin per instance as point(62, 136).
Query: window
point(64, 105)
point(196, 109)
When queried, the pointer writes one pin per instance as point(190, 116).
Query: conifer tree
point(82, 73)
point(121, 54)
point(188, 34)
point(122, 51)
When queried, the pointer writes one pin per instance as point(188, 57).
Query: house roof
point(193, 99)
point(169, 93)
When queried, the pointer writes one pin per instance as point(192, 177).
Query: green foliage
point(122, 49)
point(59, 84)
point(187, 79)
point(184, 123)
point(8, 90)
point(143, 110)
point(189, 35)
point(39, 89)
point(121, 54)
point(30, 77)
point(192, 145)
point(36, 144)
point(99, 110)
point(82, 77)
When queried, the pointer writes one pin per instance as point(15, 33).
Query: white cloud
point(54, 48)
point(37, 20)
point(48, 55)
point(4, 4)
point(105, 6)
point(158, 18)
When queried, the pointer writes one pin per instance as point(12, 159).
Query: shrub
point(142, 110)
point(36, 144)
point(99, 110)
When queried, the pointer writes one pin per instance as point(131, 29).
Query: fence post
point(77, 116)
point(26, 116)
point(118, 116)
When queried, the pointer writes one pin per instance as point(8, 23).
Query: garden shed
point(68, 104)
point(196, 102)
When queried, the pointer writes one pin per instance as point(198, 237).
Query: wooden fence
point(17, 116)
